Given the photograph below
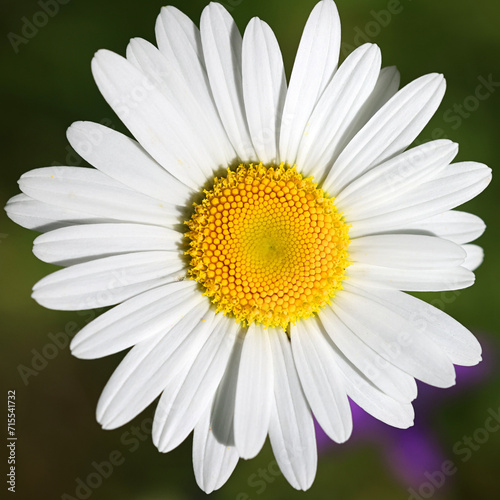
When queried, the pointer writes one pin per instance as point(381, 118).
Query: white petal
point(321, 380)
point(89, 191)
point(152, 119)
point(455, 185)
point(107, 281)
point(455, 340)
point(393, 128)
point(388, 378)
point(459, 227)
point(395, 177)
point(264, 88)
point(170, 81)
point(222, 417)
point(411, 280)
point(151, 365)
point(184, 401)
point(76, 244)
point(291, 428)
point(254, 393)
point(40, 216)
point(124, 160)
point(387, 85)
point(315, 64)
point(149, 314)
point(350, 87)
point(475, 257)
point(371, 399)
point(394, 338)
point(406, 251)
point(213, 462)
point(222, 47)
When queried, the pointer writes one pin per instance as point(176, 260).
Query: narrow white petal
point(350, 87)
point(264, 88)
point(383, 374)
point(42, 217)
point(387, 85)
point(254, 393)
point(456, 184)
point(475, 256)
point(163, 132)
point(213, 462)
point(183, 402)
point(315, 64)
point(291, 428)
point(89, 191)
point(76, 244)
point(395, 177)
point(411, 280)
point(459, 227)
point(406, 251)
point(149, 314)
point(222, 48)
point(124, 160)
point(222, 417)
point(171, 82)
point(370, 398)
point(455, 340)
point(108, 281)
point(179, 41)
point(321, 380)
point(394, 338)
point(151, 365)
point(393, 128)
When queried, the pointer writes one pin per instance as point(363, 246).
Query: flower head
point(256, 239)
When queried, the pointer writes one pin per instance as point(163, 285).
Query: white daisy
point(276, 297)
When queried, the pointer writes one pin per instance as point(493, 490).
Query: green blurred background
point(47, 84)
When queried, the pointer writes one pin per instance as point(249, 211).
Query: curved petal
point(254, 393)
point(152, 364)
point(342, 99)
point(456, 184)
point(321, 380)
point(456, 226)
point(394, 338)
point(124, 160)
point(381, 373)
point(89, 191)
point(108, 281)
point(406, 251)
point(454, 339)
point(74, 245)
point(315, 64)
point(142, 317)
point(43, 217)
point(475, 257)
point(222, 48)
point(264, 88)
point(391, 130)
point(291, 429)
point(189, 394)
point(161, 130)
point(213, 462)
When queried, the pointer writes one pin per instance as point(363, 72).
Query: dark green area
point(47, 85)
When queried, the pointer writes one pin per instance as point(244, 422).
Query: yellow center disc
point(267, 245)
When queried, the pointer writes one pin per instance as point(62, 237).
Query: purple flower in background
point(411, 452)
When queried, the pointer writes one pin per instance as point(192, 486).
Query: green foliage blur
point(46, 84)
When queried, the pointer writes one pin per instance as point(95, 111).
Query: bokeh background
point(46, 84)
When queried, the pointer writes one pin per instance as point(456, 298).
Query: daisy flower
point(256, 239)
